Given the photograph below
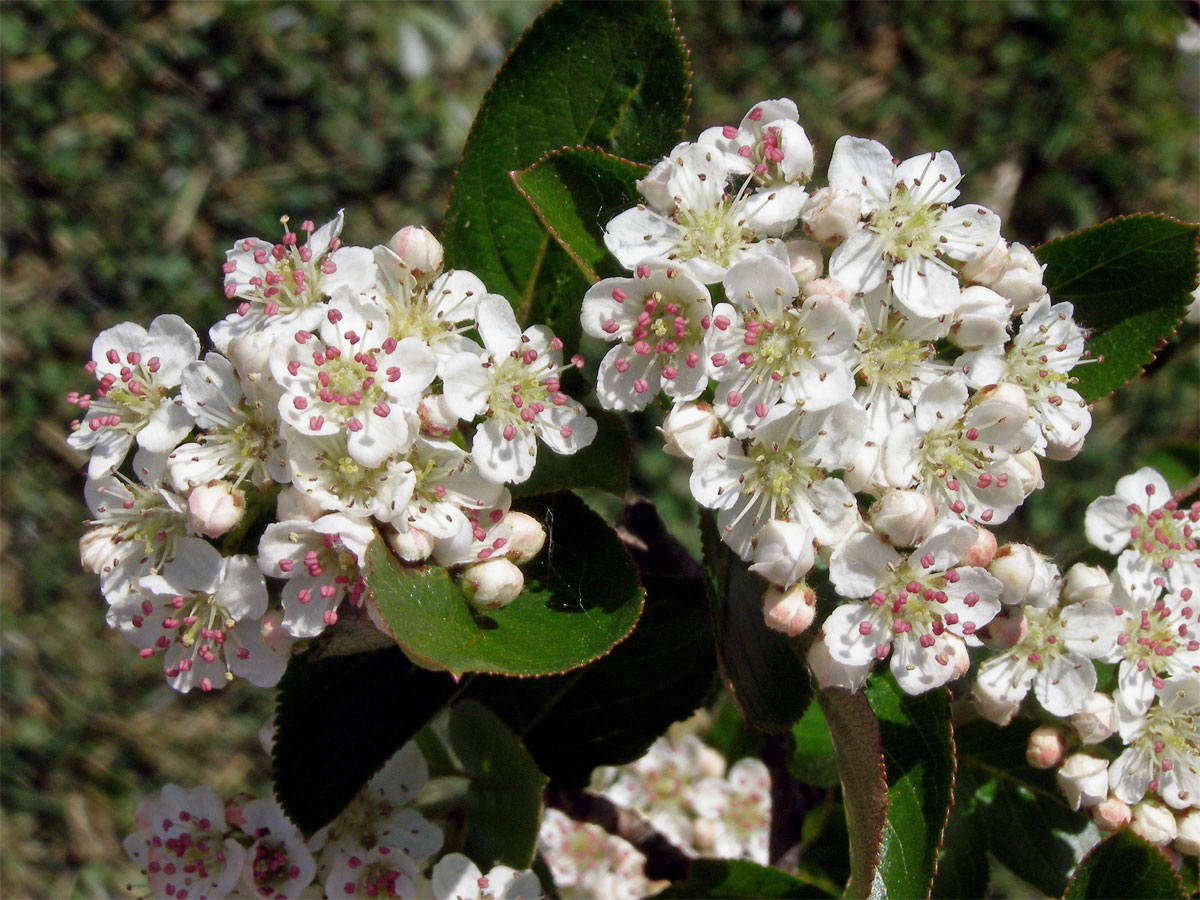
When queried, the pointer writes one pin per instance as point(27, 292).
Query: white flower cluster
point(864, 337)
point(1142, 618)
point(190, 844)
point(346, 380)
point(682, 789)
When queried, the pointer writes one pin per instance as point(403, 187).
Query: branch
point(651, 545)
point(790, 802)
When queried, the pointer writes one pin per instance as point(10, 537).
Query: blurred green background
point(139, 140)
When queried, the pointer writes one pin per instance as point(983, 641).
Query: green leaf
point(768, 679)
point(812, 757)
point(736, 878)
point(1129, 280)
point(1007, 808)
point(1124, 865)
point(610, 711)
point(504, 799)
point(602, 464)
point(918, 752)
point(354, 709)
point(581, 597)
point(575, 192)
point(609, 75)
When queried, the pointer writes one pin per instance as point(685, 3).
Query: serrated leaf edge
point(1125, 829)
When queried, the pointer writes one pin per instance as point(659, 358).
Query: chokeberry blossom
point(323, 468)
point(1163, 747)
point(278, 863)
point(586, 862)
point(737, 808)
point(455, 877)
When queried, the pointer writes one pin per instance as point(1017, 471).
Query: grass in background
point(140, 140)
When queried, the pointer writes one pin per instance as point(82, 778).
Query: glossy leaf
point(581, 597)
point(735, 878)
point(504, 798)
point(1129, 280)
point(609, 75)
point(575, 192)
point(610, 711)
point(602, 464)
point(355, 710)
point(812, 759)
point(1124, 865)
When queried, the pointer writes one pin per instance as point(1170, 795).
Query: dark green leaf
point(1124, 865)
point(918, 752)
point(609, 75)
point(581, 597)
point(1129, 280)
point(504, 799)
point(575, 192)
point(812, 758)
point(769, 681)
point(610, 711)
point(603, 464)
point(736, 878)
point(354, 709)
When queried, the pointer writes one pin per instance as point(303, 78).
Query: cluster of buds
point(344, 402)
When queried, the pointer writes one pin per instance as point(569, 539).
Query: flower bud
point(412, 546)
point(437, 421)
point(1027, 576)
point(1000, 712)
point(273, 634)
point(235, 809)
point(827, 287)
point(1083, 583)
point(420, 250)
point(96, 548)
point(709, 762)
point(790, 611)
point(1154, 822)
point(250, 355)
point(655, 187)
point(526, 539)
point(1046, 747)
point(1022, 279)
point(1097, 720)
point(981, 319)
point(830, 673)
point(1029, 471)
point(493, 583)
point(1188, 838)
point(704, 835)
point(215, 508)
point(805, 261)
point(1110, 814)
point(783, 552)
point(1005, 392)
point(902, 518)
point(831, 216)
point(1006, 629)
point(1083, 780)
point(988, 267)
point(687, 428)
point(293, 504)
point(982, 551)
point(1061, 452)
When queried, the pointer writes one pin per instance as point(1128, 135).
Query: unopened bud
point(1046, 748)
point(805, 261)
point(1006, 629)
point(987, 268)
point(1061, 451)
point(493, 583)
point(293, 504)
point(687, 428)
point(215, 508)
point(420, 250)
point(995, 710)
point(954, 649)
point(831, 216)
point(704, 835)
point(1007, 393)
point(709, 762)
point(655, 187)
point(1187, 840)
point(1022, 279)
point(96, 548)
point(1027, 576)
point(1154, 822)
point(981, 319)
point(273, 634)
point(1097, 720)
point(827, 287)
point(413, 545)
point(250, 355)
point(1083, 780)
point(902, 517)
point(1029, 471)
point(1110, 814)
point(982, 551)
point(783, 552)
point(235, 809)
point(830, 673)
point(790, 611)
point(526, 539)
point(437, 421)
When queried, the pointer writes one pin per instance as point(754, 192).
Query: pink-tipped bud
point(420, 250)
point(437, 421)
point(1046, 748)
point(273, 634)
point(1083, 780)
point(831, 216)
point(830, 673)
point(492, 583)
point(526, 538)
point(783, 552)
point(982, 551)
point(1028, 469)
point(805, 261)
point(413, 545)
point(1187, 840)
point(704, 835)
point(980, 319)
point(1006, 393)
point(294, 504)
point(1155, 822)
point(215, 508)
point(1110, 814)
point(1097, 720)
point(1027, 576)
point(97, 548)
point(790, 611)
point(1021, 281)
point(989, 267)
point(827, 287)
point(687, 428)
point(1006, 629)
point(655, 187)
point(995, 710)
point(235, 809)
point(902, 518)
point(1083, 583)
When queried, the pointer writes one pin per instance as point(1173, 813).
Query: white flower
point(739, 808)
point(784, 552)
point(1163, 755)
point(910, 228)
point(137, 369)
point(656, 316)
point(1083, 779)
point(278, 863)
point(455, 877)
point(917, 606)
point(517, 388)
point(583, 858)
point(381, 871)
point(323, 468)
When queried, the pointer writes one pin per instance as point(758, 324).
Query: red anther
point(354, 424)
point(718, 360)
point(729, 132)
point(315, 423)
point(640, 386)
point(610, 327)
point(733, 398)
point(619, 295)
point(510, 432)
point(642, 271)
